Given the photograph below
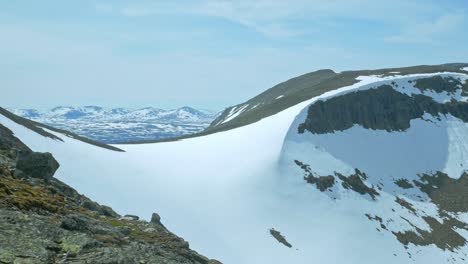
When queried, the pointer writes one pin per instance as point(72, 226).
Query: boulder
point(75, 223)
point(37, 165)
point(107, 211)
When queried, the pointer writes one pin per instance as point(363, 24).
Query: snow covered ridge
point(265, 193)
point(400, 144)
point(121, 124)
point(308, 86)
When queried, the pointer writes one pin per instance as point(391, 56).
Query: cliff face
point(396, 150)
point(42, 220)
point(381, 108)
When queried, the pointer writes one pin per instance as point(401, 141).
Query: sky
point(206, 53)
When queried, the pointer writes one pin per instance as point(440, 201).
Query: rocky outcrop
point(355, 182)
point(382, 108)
point(441, 235)
point(42, 220)
point(321, 182)
point(36, 165)
point(449, 194)
point(404, 184)
point(438, 84)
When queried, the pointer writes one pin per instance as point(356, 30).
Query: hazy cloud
point(429, 31)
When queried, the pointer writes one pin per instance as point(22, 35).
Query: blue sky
point(208, 54)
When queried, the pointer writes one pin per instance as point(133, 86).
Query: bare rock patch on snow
point(449, 194)
point(278, 236)
point(404, 184)
point(322, 183)
point(440, 234)
point(355, 182)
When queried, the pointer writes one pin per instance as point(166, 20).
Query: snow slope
point(223, 192)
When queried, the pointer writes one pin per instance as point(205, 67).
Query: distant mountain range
point(114, 125)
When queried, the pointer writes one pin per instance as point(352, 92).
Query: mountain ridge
point(299, 89)
point(116, 125)
point(92, 112)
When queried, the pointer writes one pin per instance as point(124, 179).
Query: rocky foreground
point(42, 220)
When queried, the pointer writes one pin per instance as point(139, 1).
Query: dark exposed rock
point(101, 209)
point(438, 84)
point(107, 211)
point(378, 219)
point(404, 183)
point(381, 108)
point(9, 148)
point(355, 183)
point(405, 204)
point(303, 166)
point(321, 182)
point(155, 218)
point(465, 89)
point(277, 235)
point(441, 235)
point(75, 223)
point(9, 141)
point(448, 193)
point(37, 165)
point(90, 205)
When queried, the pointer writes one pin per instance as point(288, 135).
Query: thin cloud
point(104, 8)
point(272, 18)
point(429, 31)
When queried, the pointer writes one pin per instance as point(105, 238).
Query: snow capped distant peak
point(62, 108)
point(119, 111)
point(27, 113)
point(148, 110)
point(93, 108)
point(112, 125)
point(93, 112)
point(188, 109)
point(465, 69)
